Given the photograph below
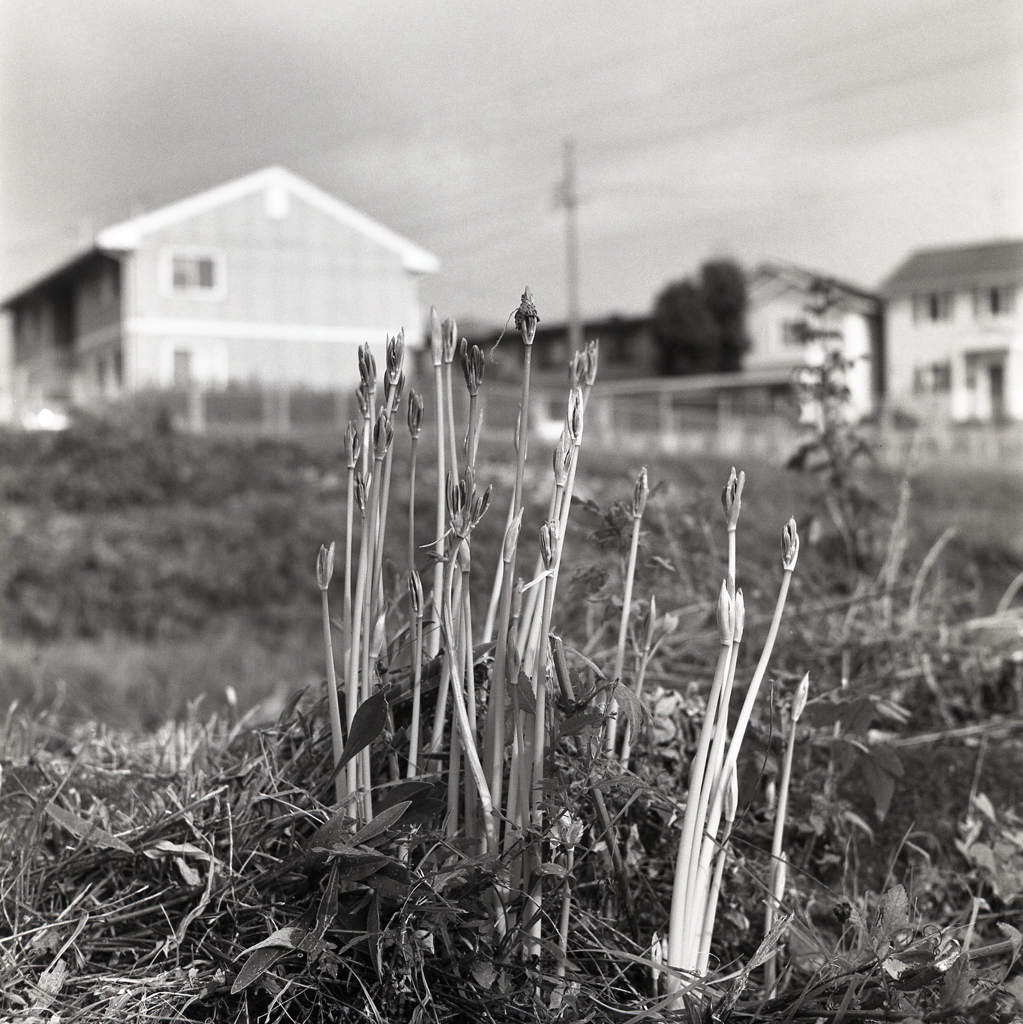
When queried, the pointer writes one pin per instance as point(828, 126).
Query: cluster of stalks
point(711, 801)
point(490, 746)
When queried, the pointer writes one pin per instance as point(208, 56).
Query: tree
point(723, 285)
point(701, 328)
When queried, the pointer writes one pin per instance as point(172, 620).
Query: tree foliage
point(700, 326)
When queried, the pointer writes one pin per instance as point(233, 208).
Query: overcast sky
point(839, 135)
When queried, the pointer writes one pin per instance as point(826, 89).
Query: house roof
point(958, 265)
point(126, 236)
point(775, 277)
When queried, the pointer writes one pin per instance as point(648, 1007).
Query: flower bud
point(562, 458)
point(548, 542)
point(436, 337)
point(415, 413)
point(731, 497)
point(367, 368)
point(353, 445)
point(481, 504)
point(640, 494)
point(526, 318)
point(449, 337)
point(325, 566)
point(361, 483)
point(726, 615)
point(740, 616)
point(575, 416)
point(789, 546)
point(592, 353)
point(362, 396)
point(472, 367)
point(383, 434)
point(395, 354)
point(415, 593)
point(577, 369)
point(511, 538)
point(393, 389)
point(454, 494)
point(799, 700)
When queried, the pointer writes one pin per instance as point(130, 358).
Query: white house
point(778, 318)
point(954, 331)
point(266, 280)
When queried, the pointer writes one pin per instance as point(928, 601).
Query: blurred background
point(206, 208)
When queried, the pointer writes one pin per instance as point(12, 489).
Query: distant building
point(777, 320)
point(955, 333)
point(627, 347)
point(265, 280)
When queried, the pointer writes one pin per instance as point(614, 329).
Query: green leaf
point(256, 966)
point(523, 691)
point(892, 917)
point(332, 831)
point(592, 665)
point(886, 758)
point(579, 723)
point(367, 725)
point(86, 830)
point(630, 707)
point(857, 716)
point(381, 823)
point(879, 782)
point(403, 791)
point(1015, 937)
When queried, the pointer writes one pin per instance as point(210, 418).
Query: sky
point(838, 135)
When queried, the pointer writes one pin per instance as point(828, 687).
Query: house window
point(191, 273)
point(794, 332)
point(933, 380)
point(934, 307)
point(194, 274)
point(994, 301)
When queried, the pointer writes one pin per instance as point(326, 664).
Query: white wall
point(918, 344)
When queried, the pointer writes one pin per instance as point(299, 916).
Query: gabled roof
point(774, 278)
point(988, 262)
point(57, 275)
point(126, 236)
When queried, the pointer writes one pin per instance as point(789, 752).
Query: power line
point(656, 136)
point(627, 149)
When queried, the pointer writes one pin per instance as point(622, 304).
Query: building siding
point(303, 269)
point(914, 345)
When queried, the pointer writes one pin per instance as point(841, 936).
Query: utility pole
point(570, 201)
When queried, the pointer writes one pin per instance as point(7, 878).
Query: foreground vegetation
point(477, 823)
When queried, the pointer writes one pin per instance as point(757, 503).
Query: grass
point(208, 861)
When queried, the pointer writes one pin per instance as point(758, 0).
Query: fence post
point(196, 408)
point(664, 417)
point(283, 410)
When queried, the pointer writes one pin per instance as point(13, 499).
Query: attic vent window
point(277, 202)
point(193, 274)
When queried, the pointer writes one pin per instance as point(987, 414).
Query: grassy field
point(142, 571)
